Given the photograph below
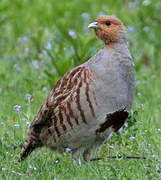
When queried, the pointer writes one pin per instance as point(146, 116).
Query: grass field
point(40, 41)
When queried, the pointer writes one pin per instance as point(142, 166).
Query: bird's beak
point(93, 25)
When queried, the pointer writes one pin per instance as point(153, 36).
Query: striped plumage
point(90, 101)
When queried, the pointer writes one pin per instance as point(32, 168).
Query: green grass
point(36, 49)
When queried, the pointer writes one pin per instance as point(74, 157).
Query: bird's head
point(110, 29)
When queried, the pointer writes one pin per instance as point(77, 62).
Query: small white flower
point(44, 89)
point(17, 125)
point(132, 4)
point(17, 108)
point(28, 97)
point(132, 138)
point(101, 14)
point(72, 34)
point(159, 130)
point(140, 106)
point(23, 119)
point(35, 64)
point(154, 156)
point(138, 94)
point(131, 28)
point(49, 46)
point(57, 161)
point(16, 66)
point(23, 39)
point(138, 82)
point(3, 169)
point(30, 167)
point(34, 168)
point(86, 16)
point(133, 64)
point(68, 149)
point(146, 28)
point(26, 51)
point(126, 124)
point(146, 2)
point(149, 145)
point(2, 124)
point(28, 124)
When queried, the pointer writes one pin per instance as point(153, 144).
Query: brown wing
point(69, 104)
point(115, 120)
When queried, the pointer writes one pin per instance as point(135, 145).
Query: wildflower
point(154, 156)
point(133, 64)
point(159, 130)
point(86, 16)
point(23, 119)
point(138, 82)
point(132, 138)
point(3, 169)
point(44, 89)
point(42, 54)
point(72, 34)
point(57, 161)
point(140, 106)
point(146, 28)
point(17, 108)
point(131, 28)
point(101, 14)
point(2, 124)
point(28, 97)
point(32, 167)
point(23, 39)
point(17, 125)
point(49, 46)
point(16, 66)
point(68, 149)
point(28, 124)
point(126, 124)
point(146, 2)
point(132, 4)
point(138, 94)
point(35, 64)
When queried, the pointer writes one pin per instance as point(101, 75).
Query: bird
point(91, 101)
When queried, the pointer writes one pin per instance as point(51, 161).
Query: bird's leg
point(87, 155)
point(75, 154)
point(93, 150)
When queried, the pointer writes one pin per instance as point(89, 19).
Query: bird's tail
point(31, 143)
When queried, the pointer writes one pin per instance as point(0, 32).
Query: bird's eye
point(108, 23)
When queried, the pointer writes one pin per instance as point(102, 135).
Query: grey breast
point(114, 74)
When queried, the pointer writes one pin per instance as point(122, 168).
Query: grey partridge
point(91, 101)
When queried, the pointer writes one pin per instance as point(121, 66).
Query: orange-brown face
point(108, 29)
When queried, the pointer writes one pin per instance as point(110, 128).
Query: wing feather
point(69, 103)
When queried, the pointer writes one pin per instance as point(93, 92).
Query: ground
point(38, 44)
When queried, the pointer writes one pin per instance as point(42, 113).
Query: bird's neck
point(117, 45)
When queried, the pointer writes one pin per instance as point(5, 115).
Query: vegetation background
point(41, 40)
